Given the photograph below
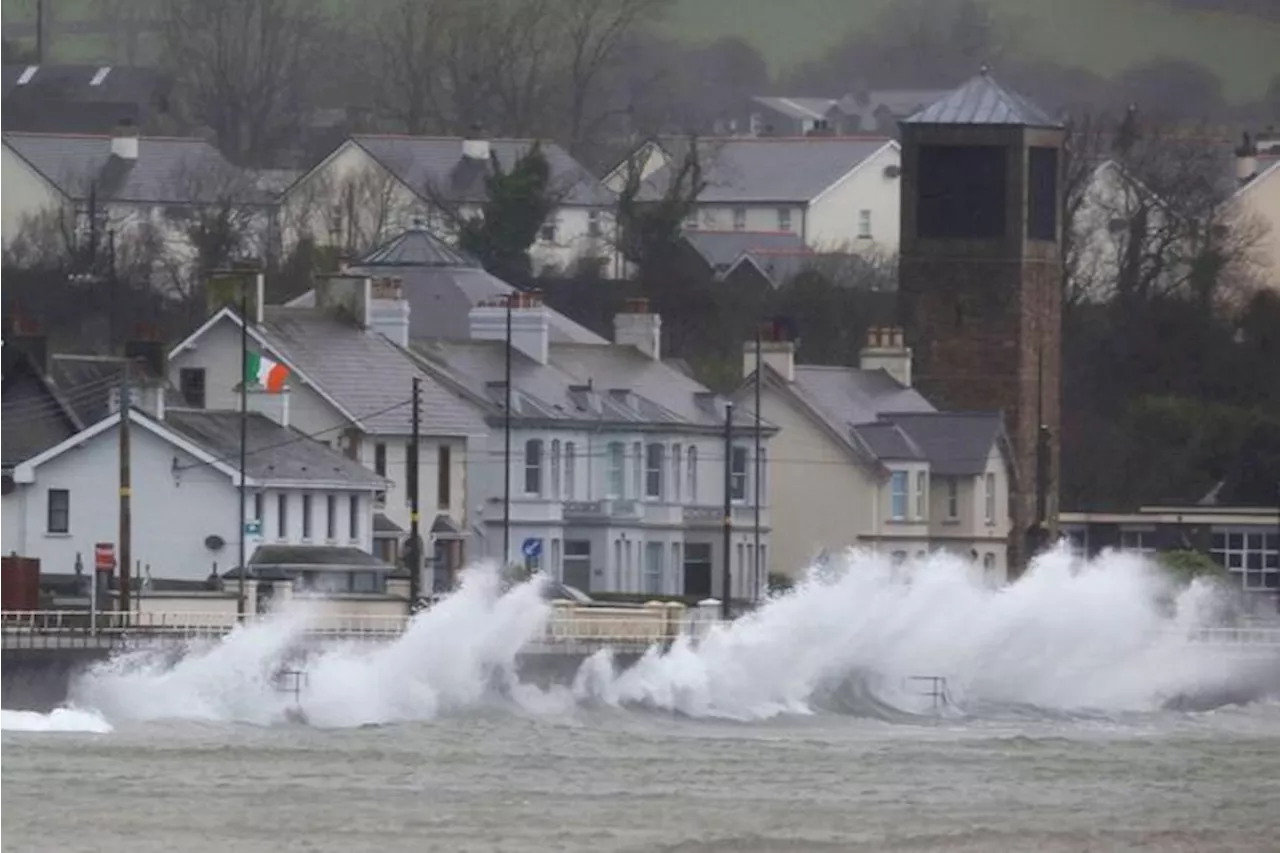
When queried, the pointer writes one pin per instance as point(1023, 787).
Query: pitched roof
point(423, 162)
point(847, 396)
point(797, 108)
point(582, 383)
point(166, 171)
point(313, 557)
point(35, 416)
point(89, 383)
point(773, 169)
point(981, 100)
point(889, 443)
point(81, 98)
point(956, 444)
point(722, 248)
point(273, 452)
point(441, 295)
point(366, 374)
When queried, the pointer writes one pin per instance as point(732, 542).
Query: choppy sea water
point(1078, 716)
point(499, 780)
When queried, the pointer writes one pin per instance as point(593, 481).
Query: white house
point(374, 186)
point(617, 459)
point(861, 459)
point(836, 193)
point(81, 187)
point(185, 500)
point(350, 384)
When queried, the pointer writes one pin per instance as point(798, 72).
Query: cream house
point(832, 192)
point(1259, 200)
point(861, 459)
point(373, 186)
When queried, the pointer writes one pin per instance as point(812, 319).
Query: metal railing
point(565, 627)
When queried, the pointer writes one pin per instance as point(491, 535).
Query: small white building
point(835, 193)
point(861, 459)
point(374, 186)
point(185, 500)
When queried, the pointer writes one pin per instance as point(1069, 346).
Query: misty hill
point(1235, 39)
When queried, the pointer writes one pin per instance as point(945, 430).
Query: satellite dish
point(214, 542)
point(892, 171)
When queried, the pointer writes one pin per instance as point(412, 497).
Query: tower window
point(961, 192)
point(1042, 194)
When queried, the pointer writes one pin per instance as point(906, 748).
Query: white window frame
point(953, 498)
point(989, 497)
point(739, 480)
point(899, 495)
point(692, 473)
point(864, 224)
point(616, 476)
point(570, 470)
point(677, 458)
point(739, 219)
point(784, 219)
point(922, 495)
point(555, 469)
point(533, 452)
point(655, 460)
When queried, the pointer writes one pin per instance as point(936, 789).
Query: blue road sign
point(253, 528)
point(532, 548)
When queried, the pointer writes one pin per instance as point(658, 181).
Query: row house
point(372, 186)
point(863, 460)
point(350, 385)
point(617, 458)
point(828, 193)
point(88, 190)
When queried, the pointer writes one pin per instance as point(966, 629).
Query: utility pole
point(757, 563)
point(506, 455)
point(415, 553)
point(40, 46)
point(244, 440)
point(126, 490)
point(726, 577)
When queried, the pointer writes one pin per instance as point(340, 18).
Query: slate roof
point(314, 557)
point(441, 295)
point(437, 162)
point(582, 383)
point(34, 417)
point(167, 170)
point(81, 98)
point(797, 108)
point(957, 444)
point(87, 382)
point(274, 452)
point(366, 374)
point(772, 169)
point(779, 267)
point(845, 397)
point(723, 248)
point(889, 442)
point(981, 100)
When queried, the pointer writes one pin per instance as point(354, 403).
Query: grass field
point(1106, 36)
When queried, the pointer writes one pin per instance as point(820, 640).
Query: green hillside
point(1106, 36)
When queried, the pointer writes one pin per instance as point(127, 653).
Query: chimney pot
point(886, 350)
point(124, 140)
point(638, 327)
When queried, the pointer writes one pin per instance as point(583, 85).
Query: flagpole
point(244, 429)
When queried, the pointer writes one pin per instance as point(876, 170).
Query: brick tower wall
point(983, 319)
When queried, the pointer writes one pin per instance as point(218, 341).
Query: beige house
point(1259, 199)
point(861, 459)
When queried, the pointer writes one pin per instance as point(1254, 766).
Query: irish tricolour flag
point(264, 373)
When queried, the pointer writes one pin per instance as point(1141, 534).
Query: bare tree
point(244, 68)
point(595, 33)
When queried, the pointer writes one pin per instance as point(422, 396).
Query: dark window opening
point(191, 386)
point(444, 490)
point(59, 515)
point(380, 459)
point(1042, 194)
point(961, 192)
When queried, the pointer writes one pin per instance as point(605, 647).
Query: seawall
point(40, 679)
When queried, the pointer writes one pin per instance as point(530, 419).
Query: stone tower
point(980, 278)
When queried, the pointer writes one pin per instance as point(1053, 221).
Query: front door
point(697, 570)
